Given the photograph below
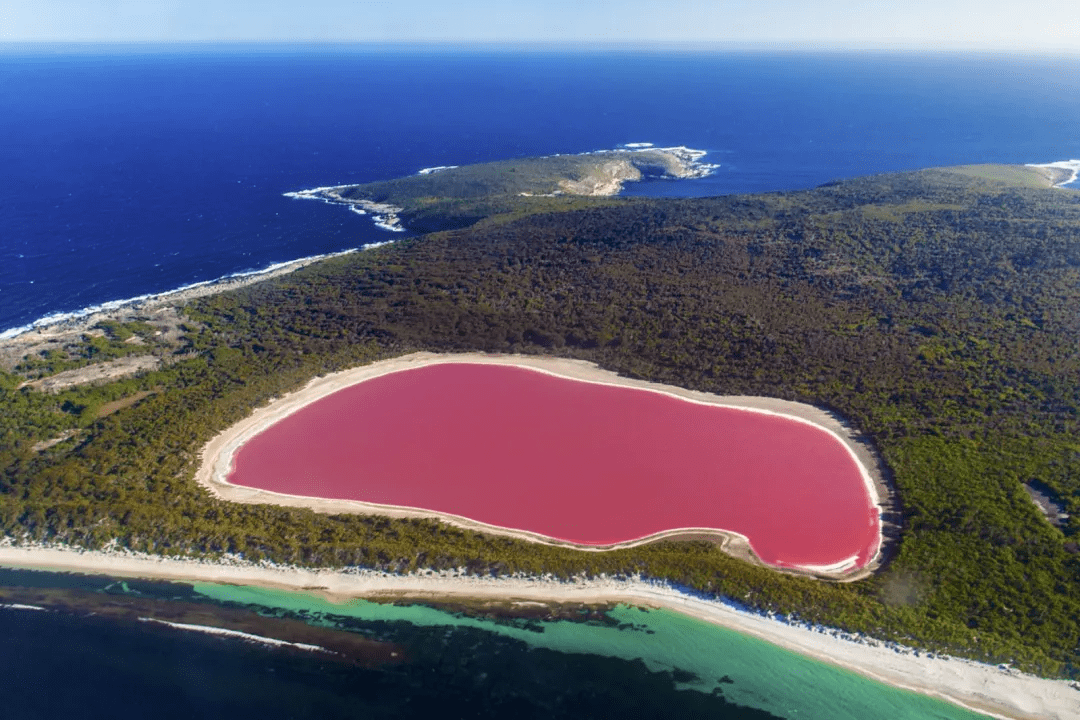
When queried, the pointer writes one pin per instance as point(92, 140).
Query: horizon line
point(480, 45)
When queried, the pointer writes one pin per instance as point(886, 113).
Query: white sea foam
point(111, 305)
point(1073, 166)
point(384, 215)
point(428, 171)
point(690, 158)
point(209, 630)
point(372, 246)
point(388, 223)
point(18, 606)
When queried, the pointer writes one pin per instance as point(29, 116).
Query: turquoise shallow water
point(704, 657)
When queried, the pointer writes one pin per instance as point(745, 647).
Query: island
point(933, 314)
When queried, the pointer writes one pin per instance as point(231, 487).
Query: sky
point(1049, 25)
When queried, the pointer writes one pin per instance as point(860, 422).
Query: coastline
point(69, 326)
point(88, 316)
point(384, 215)
point(217, 286)
point(1069, 169)
point(997, 691)
point(217, 455)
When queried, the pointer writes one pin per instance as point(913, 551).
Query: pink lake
point(583, 462)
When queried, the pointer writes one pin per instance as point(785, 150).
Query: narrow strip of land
point(995, 691)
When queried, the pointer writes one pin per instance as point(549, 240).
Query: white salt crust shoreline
point(217, 455)
point(996, 691)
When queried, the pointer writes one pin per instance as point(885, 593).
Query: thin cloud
point(1049, 25)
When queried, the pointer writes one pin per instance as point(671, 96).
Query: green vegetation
point(90, 350)
point(939, 311)
point(1022, 175)
point(108, 340)
point(123, 332)
point(535, 176)
point(461, 196)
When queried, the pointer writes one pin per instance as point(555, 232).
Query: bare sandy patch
point(97, 373)
point(217, 455)
point(123, 403)
point(46, 444)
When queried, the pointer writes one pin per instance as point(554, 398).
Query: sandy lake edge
point(217, 455)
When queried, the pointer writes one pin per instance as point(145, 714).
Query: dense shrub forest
point(938, 311)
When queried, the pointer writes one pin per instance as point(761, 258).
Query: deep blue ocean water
point(129, 171)
point(109, 643)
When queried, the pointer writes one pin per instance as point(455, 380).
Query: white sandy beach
point(1000, 692)
point(217, 455)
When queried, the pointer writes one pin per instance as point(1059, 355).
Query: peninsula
point(454, 195)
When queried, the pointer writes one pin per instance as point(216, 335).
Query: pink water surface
point(571, 460)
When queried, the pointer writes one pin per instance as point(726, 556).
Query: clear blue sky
point(1048, 25)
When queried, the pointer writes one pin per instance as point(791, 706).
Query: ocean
point(155, 649)
point(138, 170)
point(132, 170)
